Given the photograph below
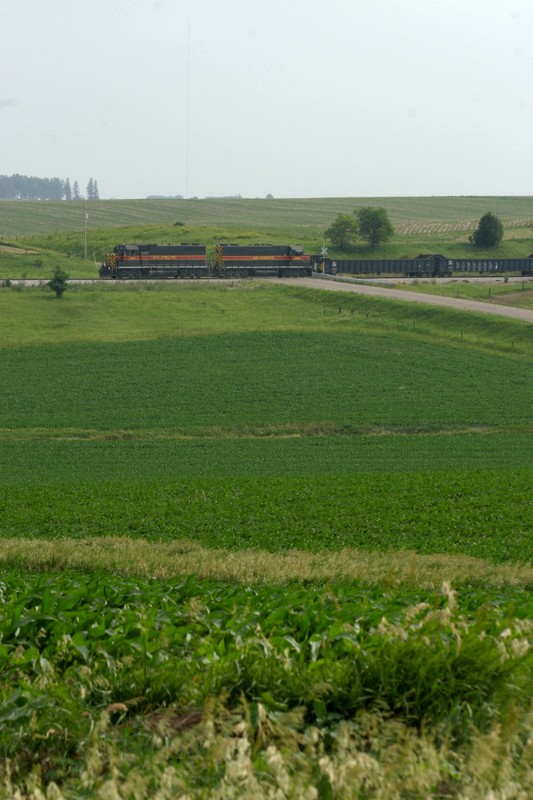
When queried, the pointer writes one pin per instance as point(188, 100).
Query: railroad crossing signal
point(324, 253)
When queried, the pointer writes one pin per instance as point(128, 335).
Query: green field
point(413, 213)
point(35, 236)
point(263, 541)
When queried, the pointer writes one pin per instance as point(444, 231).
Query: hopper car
point(423, 266)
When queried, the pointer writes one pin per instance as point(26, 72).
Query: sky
point(294, 98)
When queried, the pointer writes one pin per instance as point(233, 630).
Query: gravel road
point(409, 297)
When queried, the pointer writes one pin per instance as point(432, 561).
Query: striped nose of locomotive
point(219, 259)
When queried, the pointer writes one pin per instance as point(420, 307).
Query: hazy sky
point(297, 98)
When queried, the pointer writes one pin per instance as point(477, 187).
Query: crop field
point(263, 541)
point(35, 236)
point(414, 214)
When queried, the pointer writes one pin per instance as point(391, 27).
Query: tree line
point(23, 187)
point(373, 224)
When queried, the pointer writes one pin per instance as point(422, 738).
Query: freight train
point(190, 261)
point(245, 261)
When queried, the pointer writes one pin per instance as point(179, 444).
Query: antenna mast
point(187, 111)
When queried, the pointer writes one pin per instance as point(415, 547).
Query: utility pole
point(85, 218)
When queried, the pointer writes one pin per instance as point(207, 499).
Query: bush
point(489, 232)
point(58, 282)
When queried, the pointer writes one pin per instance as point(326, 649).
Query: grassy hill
point(263, 541)
point(36, 236)
point(408, 214)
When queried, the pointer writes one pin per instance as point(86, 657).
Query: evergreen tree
point(76, 191)
point(67, 190)
point(90, 189)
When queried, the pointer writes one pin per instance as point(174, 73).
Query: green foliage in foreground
point(134, 659)
point(133, 688)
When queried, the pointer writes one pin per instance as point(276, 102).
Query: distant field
point(410, 214)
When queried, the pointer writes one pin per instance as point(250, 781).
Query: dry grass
point(126, 556)
point(244, 431)
point(264, 756)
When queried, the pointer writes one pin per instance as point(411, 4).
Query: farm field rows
point(36, 236)
point(414, 213)
point(263, 542)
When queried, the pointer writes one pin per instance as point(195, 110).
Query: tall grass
point(137, 557)
point(115, 686)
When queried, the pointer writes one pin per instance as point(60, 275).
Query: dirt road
point(409, 297)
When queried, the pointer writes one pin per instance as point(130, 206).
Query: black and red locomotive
point(191, 261)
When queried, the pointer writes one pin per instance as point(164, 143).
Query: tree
point(67, 190)
point(374, 224)
point(342, 231)
point(58, 282)
point(92, 190)
point(23, 187)
point(489, 232)
point(76, 191)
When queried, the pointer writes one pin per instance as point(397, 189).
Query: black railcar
point(493, 266)
point(155, 261)
point(423, 266)
point(232, 260)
